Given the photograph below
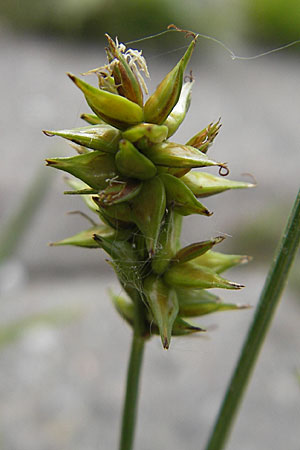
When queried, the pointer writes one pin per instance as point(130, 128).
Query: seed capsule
point(195, 250)
point(112, 108)
point(168, 242)
point(193, 303)
point(219, 262)
point(85, 238)
point(148, 209)
point(190, 275)
point(170, 154)
point(189, 295)
point(132, 163)
point(183, 328)
point(94, 168)
point(181, 198)
point(98, 137)
point(155, 133)
point(204, 184)
point(177, 115)
point(164, 306)
point(160, 104)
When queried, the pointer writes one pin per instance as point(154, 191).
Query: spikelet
point(140, 185)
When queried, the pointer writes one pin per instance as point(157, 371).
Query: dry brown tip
point(72, 77)
point(187, 32)
point(219, 239)
point(165, 343)
point(97, 238)
point(50, 162)
point(48, 133)
point(236, 285)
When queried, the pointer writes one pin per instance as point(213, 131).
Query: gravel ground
point(61, 386)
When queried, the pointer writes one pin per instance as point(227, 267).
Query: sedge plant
point(140, 184)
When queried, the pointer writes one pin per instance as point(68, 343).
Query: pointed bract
point(190, 295)
point(85, 238)
point(154, 133)
point(195, 250)
point(160, 104)
point(205, 184)
point(94, 168)
point(168, 242)
point(219, 262)
point(170, 154)
point(181, 198)
point(190, 275)
point(148, 209)
point(177, 115)
point(183, 328)
point(112, 108)
point(204, 139)
point(98, 137)
point(92, 119)
point(132, 163)
point(193, 307)
point(164, 306)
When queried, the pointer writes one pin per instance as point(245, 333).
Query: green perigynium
point(140, 184)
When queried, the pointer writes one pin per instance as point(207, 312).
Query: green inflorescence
point(140, 184)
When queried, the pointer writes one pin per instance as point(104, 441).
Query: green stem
point(265, 310)
point(133, 377)
point(12, 234)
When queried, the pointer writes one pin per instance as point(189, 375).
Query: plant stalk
point(133, 378)
point(269, 299)
point(12, 234)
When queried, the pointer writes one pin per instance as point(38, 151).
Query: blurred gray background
point(63, 349)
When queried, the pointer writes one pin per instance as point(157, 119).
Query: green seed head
point(140, 185)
